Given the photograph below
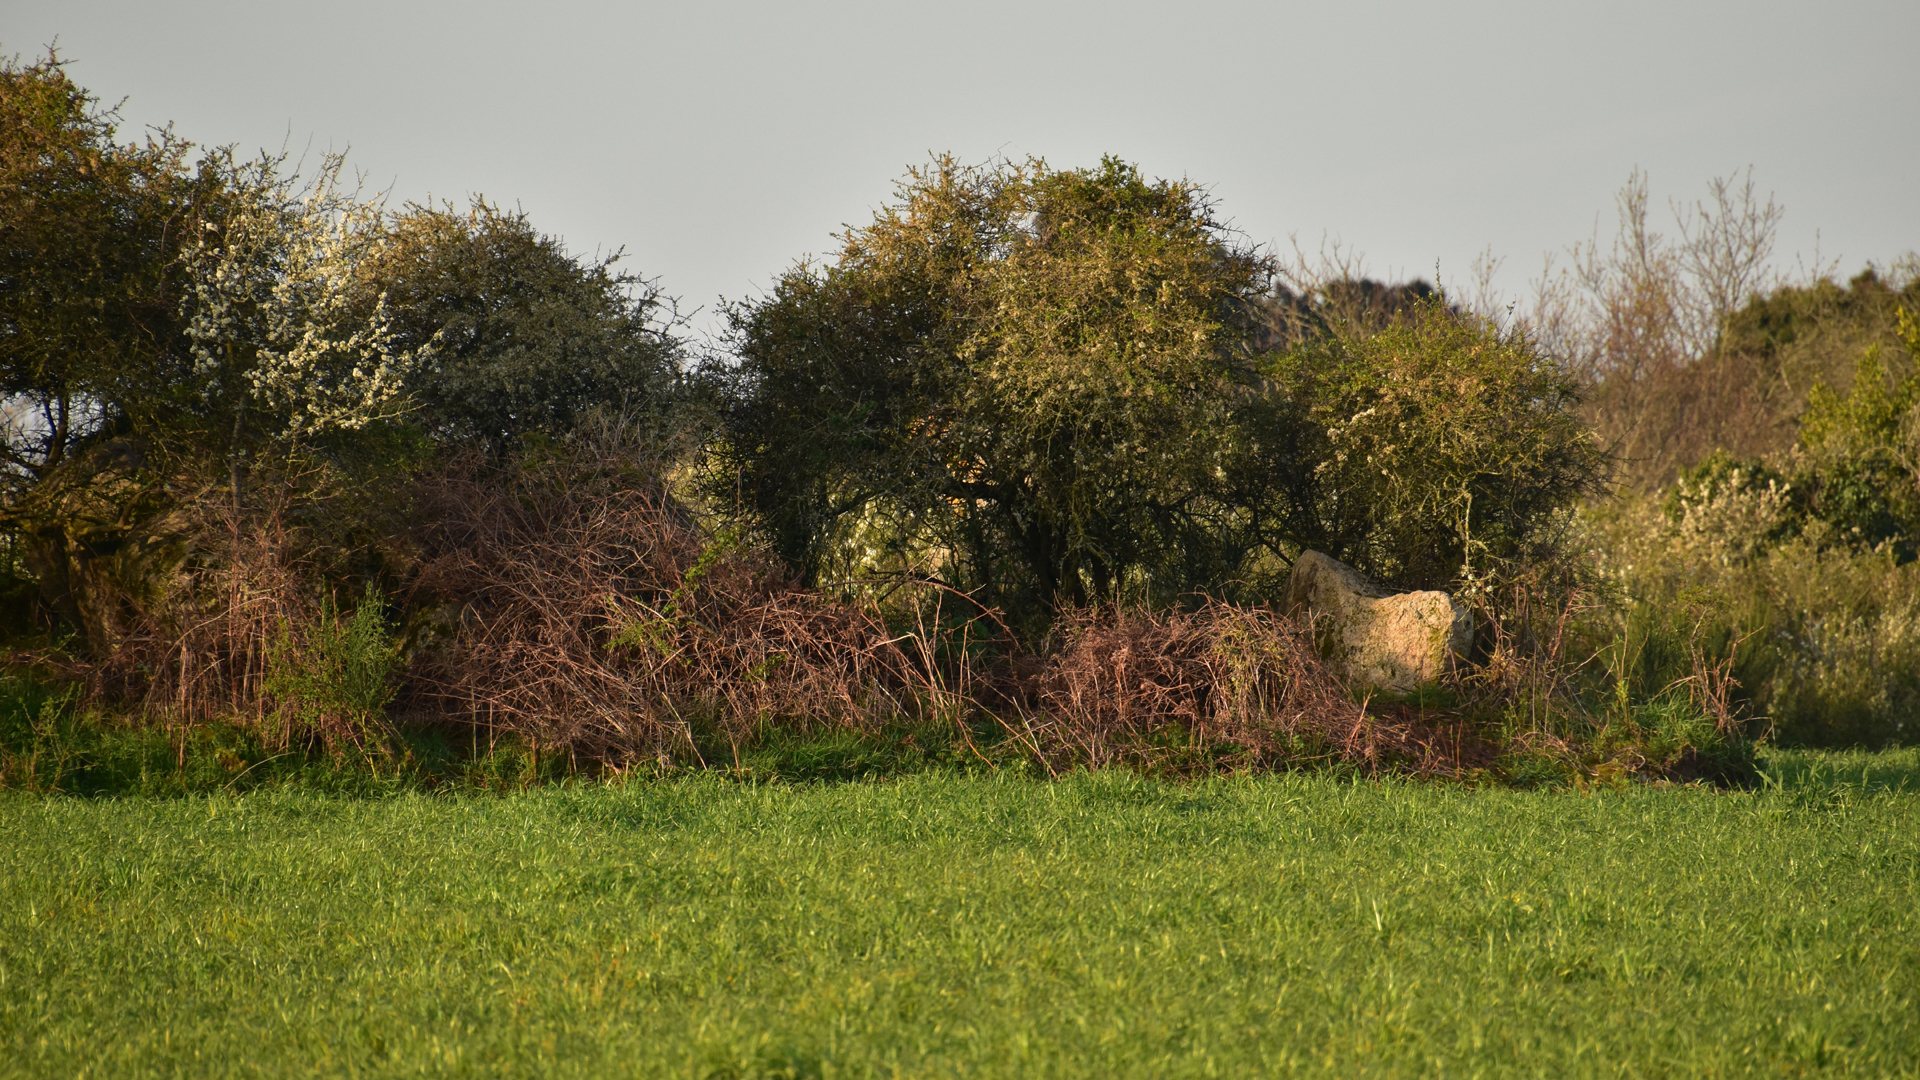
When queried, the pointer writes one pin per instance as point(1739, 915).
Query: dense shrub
point(568, 599)
point(1074, 403)
point(1823, 631)
point(1050, 386)
point(1019, 376)
point(1437, 442)
point(521, 338)
point(247, 629)
point(1222, 686)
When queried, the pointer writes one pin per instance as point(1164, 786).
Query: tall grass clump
point(1563, 691)
point(37, 732)
point(1822, 637)
point(332, 677)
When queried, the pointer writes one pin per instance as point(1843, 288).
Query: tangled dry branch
point(570, 601)
point(1223, 685)
point(578, 606)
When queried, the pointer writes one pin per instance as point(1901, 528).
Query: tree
point(161, 325)
point(1649, 322)
point(1437, 441)
point(1029, 373)
point(518, 336)
point(1857, 465)
point(92, 351)
point(91, 231)
point(275, 318)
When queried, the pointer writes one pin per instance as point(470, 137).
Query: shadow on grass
point(1862, 771)
point(49, 746)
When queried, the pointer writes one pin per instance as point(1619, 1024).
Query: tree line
point(1039, 386)
point(1048, 391)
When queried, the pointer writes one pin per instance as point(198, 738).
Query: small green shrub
point(1431, 447)
point(36, 733)
point(333, 677)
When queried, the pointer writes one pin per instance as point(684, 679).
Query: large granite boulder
point(1383, 640)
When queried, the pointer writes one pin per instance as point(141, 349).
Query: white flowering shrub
point(1728, 512)
point(276, 306)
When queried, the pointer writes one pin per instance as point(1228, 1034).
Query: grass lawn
point(947, 925)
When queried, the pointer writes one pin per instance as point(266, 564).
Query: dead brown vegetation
point(202, 646)
point(578, 606)
point(571, 602)
point(1220, 686)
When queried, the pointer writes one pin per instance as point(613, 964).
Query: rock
point(1383, 640)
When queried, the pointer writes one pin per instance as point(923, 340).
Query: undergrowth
point(52, 745)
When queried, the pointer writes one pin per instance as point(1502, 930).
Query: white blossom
point(273, 303)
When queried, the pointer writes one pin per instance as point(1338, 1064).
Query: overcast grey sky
point(717, 142)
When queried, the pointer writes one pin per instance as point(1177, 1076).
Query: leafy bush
point(520, 338)
point(1805, 558)
point(36, 726)
point(1021, 377)
point(332, 676)
point(1047, 385)
point(1437, 441)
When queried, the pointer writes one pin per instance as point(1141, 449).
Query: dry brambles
point(569, 601)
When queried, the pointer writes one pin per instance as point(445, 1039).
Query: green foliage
point(1668, 735)
point(1836, 659)
point(92, 347)
point(38, 727)
point(1859, 461)
point(1045, 384)
point(1437, 442)
point(1026, 376)
point(143, 294)
point(49, 744)
point(1038, 387)
point(1815, 332)
point(1745, 505)
point(1103, 926)
point(183, 342)
point(274, 320)
point(1804, 557)
point(333, 677)
point(523, 339)
point(1823, 635)
point(167, 331)
point(91, 234)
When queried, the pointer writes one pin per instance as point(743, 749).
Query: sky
point(718, 142)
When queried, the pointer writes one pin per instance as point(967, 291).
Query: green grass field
point(973, 926)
